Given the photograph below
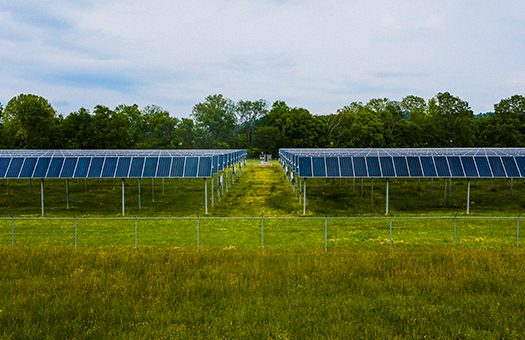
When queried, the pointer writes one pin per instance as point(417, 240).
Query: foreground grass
point(439, 293)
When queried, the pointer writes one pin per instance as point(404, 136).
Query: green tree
point(186, 135)
point(248, 112)
point(78, 130)
point(451, 121)
point(159, 128)
point(215, 118)
point(111, 128)
point(506, 127)
point(29, 122)
point(362, 126)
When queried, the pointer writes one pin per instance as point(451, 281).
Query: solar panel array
point(406, 163)
point(116, 163)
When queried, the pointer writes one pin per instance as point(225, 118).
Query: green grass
point(264, 272)
point(282, 295)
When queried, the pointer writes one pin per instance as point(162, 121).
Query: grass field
point(264, 272)
point(172, 294)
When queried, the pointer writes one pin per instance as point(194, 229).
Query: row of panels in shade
point(451, 164)
point(115, 166)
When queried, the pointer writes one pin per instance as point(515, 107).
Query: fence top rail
point(239, 218)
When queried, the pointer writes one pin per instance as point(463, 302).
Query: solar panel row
point(107, 167)
point(445, 166)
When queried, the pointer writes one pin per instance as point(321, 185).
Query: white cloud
point(319, 55)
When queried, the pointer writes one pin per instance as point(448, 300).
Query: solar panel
point(332, 167)
point(14, 167)
point(95, 168)
point(68, 168)
point(4, 164)
point(177, 167)
point(163, 169)
point(41, 167)
point(372, 164)
point(319, 166)
point(150, 168)
point(123, 165)
point(447, 163)
point(110, 165)
point(360, 167)
point(28, 167)
point(191, 167)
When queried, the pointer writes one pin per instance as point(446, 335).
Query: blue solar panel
point(177, 167)
point(150, 168)
point(69, 167)
point(520, 161)
point(164, 167)
point(82, 167)
point(319, 166)
point(414, 167)
point(41, 167)
point(510, 167)
point(387, 166)
point(4, 164)
point(360, 167)
point(137, 165)
point(346, 167)
point(401, 167)
point(110, 165)
point(123, 167)
point(305, 166)
point(204, 167)
point(456, 169)
point(483, 166)
point(497, 167)
point(28, 167)
point(441, 166)
point(215, 164)
point(14, 167)
point(191, 167)
point(332, 167)
point(55, 167)
point(95, 169)
point(469, 166)
point(428, 167)
point(373, 167)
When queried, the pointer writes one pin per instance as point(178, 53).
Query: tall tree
point(78, 130)
point(215, 117)
point(248, 112)
point(452, 121)
point(506, 127)
point(159, 128)
point(29, 122)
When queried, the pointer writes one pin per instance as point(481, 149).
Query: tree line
point(29, 121)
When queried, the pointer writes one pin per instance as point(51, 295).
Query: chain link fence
point(262, 232)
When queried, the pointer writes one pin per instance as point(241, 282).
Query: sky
point(320, 55)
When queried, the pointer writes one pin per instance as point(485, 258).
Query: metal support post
point(387, 195)
point(445, 194)
point(353, 185)
point(468, 196)
point(162, 186)
point(140, 194)
point(42, 195)
point(67, 193)
point(304, 197)
point(123, 198)
point(511, 185)
point(206, 196)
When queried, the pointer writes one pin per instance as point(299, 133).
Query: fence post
point(198, 232)
point(325, 234)
point(518, 232)
point(12, 232)
point(262, 234)
point(75, 224)
point(136, 234)
point(390, 225)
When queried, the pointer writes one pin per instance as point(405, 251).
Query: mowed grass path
point(259, 191)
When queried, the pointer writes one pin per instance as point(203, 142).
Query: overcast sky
point(320, 55)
